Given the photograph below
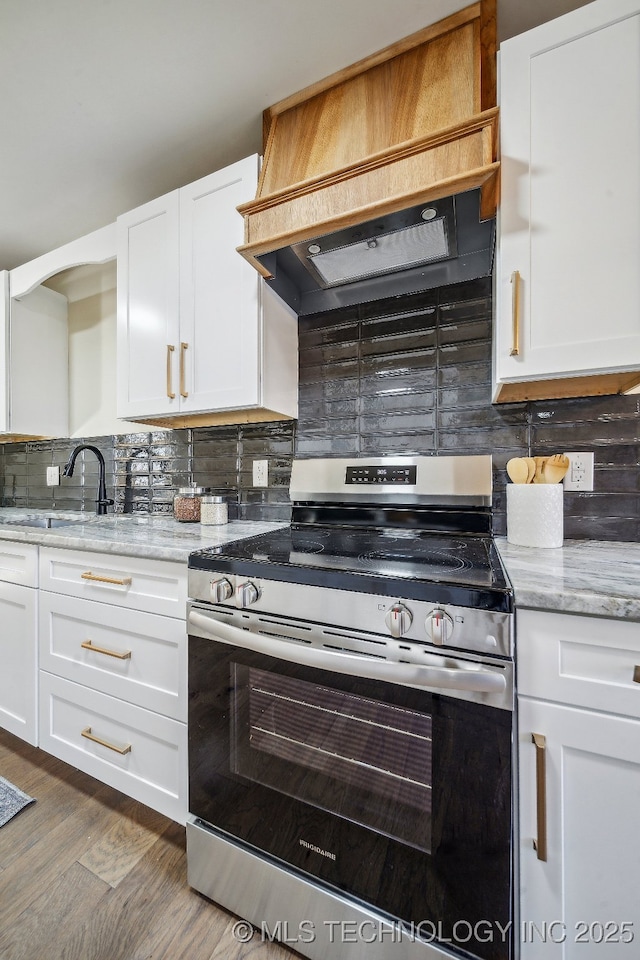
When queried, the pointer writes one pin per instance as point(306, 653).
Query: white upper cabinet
point(567, 278)
point(199, 339)
point(33, 364)
point(4, 350)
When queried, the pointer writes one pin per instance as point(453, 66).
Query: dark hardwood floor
point(86, 873)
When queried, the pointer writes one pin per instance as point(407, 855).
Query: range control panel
point(397, 475)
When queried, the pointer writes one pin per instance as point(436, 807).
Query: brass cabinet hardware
point(88, 645)
point(105, 743)
point(636, 674)
point(170, 350)
point(183, 349)
point(120, 582)
point(515, 314)
point(540, 845)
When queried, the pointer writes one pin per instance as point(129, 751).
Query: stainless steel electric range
point(350, 716)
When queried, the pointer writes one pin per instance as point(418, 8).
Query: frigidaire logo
point(323, 853)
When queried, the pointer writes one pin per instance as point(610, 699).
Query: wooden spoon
point(517, 470)
point(540, 463)
point(531, 467)
point(555, 468)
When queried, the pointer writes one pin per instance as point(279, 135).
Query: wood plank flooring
point(89, 874)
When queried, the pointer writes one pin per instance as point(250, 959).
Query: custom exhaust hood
point(382, 179)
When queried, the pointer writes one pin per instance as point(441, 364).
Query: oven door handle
point(408, 674)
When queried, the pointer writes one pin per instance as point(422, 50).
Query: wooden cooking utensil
point(538, 476)
point(531, 468)
point(517, 470)
point(555, 468)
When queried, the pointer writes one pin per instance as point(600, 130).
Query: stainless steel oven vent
point(411, 246)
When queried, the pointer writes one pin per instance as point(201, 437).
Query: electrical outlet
point(53, 476)
point(579, 476)
point(261, 473)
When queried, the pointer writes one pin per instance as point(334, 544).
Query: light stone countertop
point(583, 576)
point(130, 535)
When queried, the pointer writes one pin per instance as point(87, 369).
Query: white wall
point(91, 292)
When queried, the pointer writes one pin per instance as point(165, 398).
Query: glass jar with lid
point(186, 503)
point(213, 511)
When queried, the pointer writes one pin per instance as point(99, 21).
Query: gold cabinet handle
point(88, 645)
point(515, 314)
point(105, 743)
point(120, 582)
point(540, 845)
point(170, 350)
point(636, 674)
point(183, 349)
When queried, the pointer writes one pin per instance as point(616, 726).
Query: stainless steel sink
point(44, 522)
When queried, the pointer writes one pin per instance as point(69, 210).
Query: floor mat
point(12, 801)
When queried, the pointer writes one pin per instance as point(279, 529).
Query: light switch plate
point(579, 476)
point(53, 476)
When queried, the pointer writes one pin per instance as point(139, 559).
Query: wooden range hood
point(407, 126)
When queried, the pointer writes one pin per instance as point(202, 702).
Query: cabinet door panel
point(4, 352)
point(219, 315)
point(148, 297)
point(18, 661)
point(570, 218)
point(574, 904)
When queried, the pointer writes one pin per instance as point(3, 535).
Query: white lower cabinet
point(18, 639)
point(579, 786)
point(113, 675)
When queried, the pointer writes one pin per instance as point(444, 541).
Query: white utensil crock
point(535, 514)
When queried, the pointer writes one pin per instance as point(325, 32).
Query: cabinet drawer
point(139, 657)
point(19, 563)
point(155, 586)
point(152, 766)
point(584, 661)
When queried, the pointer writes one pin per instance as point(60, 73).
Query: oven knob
point(439, 626)
point(221, 590)
point(398, 620)
point(246, 594)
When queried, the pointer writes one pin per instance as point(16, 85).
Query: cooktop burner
point(407, 563)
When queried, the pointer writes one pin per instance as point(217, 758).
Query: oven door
point(397, 795)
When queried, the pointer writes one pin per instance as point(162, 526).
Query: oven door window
point(353, 756)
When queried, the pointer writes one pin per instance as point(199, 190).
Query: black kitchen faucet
point(102, 502)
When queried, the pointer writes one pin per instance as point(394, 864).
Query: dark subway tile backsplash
point(406, 375)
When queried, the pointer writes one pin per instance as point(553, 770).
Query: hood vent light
point(423, 243)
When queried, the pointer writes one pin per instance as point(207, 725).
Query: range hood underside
point(470, 256)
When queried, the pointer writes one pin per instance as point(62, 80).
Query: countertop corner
point(583, 577)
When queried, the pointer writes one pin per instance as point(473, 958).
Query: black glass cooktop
point(413, 564)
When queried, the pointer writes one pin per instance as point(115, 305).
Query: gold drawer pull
point(183, 349)
point(105, 743)
point(88, 645)
point(515, 314)
point(170, 393)
point(636, 674)
point(540, 845)
point(122, 582)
